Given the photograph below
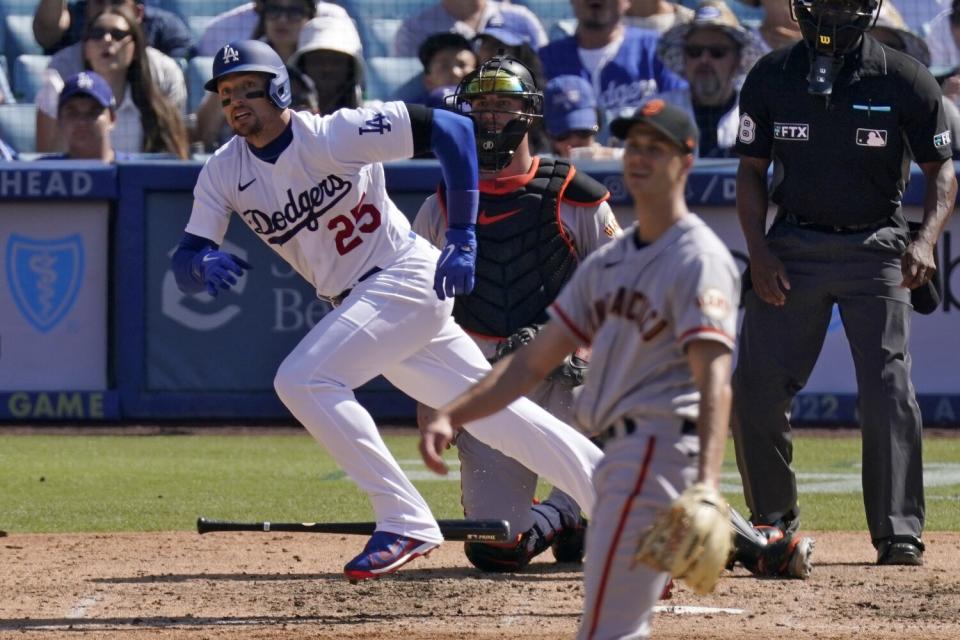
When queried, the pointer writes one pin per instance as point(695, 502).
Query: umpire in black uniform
point(840, 115)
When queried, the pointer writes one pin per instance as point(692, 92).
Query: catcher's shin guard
point(768, 551)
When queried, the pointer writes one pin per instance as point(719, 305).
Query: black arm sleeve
point(421, 123)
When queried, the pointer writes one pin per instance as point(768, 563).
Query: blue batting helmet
point(253, 56)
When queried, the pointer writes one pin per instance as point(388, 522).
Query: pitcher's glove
point(690, 540)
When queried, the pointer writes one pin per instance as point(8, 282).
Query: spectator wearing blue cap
point(468, 18)
point(86, 114)
point(713, 53)
point(570, 114)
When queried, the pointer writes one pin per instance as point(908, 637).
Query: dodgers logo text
point(301, 211)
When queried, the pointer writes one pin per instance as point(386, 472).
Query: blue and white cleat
point(385, 553)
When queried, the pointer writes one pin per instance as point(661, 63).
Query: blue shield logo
point(44, 277)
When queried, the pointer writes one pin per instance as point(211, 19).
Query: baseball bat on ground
point(466, 530)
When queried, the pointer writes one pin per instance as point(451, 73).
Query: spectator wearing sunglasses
point(58, 24)
point(713, 53)
point(147, 85)
point(241, 23)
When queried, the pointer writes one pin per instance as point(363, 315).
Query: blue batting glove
point(454, 276)
point(216, 269)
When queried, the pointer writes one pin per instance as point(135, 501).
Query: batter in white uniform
point(312, 188)
point(658, 306)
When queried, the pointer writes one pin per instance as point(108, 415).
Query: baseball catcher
point(538, 218)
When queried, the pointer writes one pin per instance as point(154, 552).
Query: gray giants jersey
point(639, 306)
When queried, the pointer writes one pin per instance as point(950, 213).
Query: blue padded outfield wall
point(94, 328)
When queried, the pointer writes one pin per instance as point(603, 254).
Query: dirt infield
point(269, 586)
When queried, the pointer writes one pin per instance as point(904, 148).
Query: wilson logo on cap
point(653, 107)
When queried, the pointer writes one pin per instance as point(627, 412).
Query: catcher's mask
point(498, 76)
point(831, 29)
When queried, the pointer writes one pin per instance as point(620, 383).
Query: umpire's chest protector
point(525, 254)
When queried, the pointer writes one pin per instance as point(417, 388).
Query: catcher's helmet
point(833, 27)
point(506, 76)
point(253, 56)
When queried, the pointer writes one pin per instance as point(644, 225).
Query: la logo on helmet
point(230, 55)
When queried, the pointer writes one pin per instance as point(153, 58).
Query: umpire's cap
point(252, 56)
point(670, 120)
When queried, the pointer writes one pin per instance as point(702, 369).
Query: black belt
point(337, 300)
point(627, 426)
point(836, 228)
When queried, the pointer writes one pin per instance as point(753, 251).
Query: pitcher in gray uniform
point(538, 218)
point(658, 306)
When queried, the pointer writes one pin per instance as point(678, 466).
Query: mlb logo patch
point(942, 139)
point(796, 131)
point(872, 137)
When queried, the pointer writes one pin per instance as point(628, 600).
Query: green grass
point(51, 483)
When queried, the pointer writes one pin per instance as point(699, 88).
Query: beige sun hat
point(331, 34)
point(715, 14)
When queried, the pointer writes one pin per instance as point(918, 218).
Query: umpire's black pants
point(860, 272)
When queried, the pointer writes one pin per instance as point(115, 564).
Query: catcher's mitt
point(572, 370)
point(522, 336)
point(691, 540)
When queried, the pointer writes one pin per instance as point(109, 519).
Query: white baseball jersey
point(639, 306)
point(323, 205)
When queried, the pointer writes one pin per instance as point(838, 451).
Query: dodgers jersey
point(639, 306)
point(323, 205)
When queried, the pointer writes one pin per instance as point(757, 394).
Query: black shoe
point(900, 550)
point(568, 544)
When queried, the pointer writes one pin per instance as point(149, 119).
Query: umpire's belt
point(627, 426)
point(337, 300)
point(839, 228)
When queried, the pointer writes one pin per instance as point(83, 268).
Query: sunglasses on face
point(716, 52)
point(98, 33)
point(274, 11)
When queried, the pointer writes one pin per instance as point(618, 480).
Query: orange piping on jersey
point(563, 232)
point(509, 184)
point(690, 332)
point(443, 206)
point(614, 543)
point(574, 329)
point(595, 203)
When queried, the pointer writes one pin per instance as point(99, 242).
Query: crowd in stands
point(592, 58)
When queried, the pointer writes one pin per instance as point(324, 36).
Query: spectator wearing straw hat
point(712, 53)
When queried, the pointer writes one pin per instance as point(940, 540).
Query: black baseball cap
point(672, 121)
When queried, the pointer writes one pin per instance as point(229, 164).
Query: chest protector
point(525, 255)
